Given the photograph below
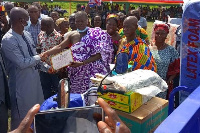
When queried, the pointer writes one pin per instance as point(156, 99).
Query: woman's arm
point(56, 49)
point(91, 59)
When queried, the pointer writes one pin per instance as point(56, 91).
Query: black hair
point(115, 19)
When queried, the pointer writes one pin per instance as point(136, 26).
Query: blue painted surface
point(185, 118)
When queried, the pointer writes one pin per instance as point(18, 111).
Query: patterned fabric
point(95, 41)
point(140, 32)
point(34, 30)
point(164, 58)
point(164, 27)
point(46, 42)
point(139, 54)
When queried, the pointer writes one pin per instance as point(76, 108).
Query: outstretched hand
point(76, 64)
point(24, 126)
point(109, 126)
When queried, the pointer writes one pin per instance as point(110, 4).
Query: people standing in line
point(22, 64)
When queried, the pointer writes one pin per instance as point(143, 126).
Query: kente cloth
point(94, 42)
point(139, 55)
point(140, 32)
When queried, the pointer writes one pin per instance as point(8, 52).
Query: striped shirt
point(34, 30)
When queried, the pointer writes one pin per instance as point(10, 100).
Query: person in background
point(35, 26)
point(8, 6)
point(71, 24)
point(134, 50)
point(97, 21)
point(63, 25)
point(4, 97)
point(55, 16)
point(78, 7)
point(47, 39)
point(112, 23)
point(166, 57)
point(121, 19)
point(4, 25)
point(141, 20)
point(109, 126)
point(22, 64)
point(40, 10)
point(140, 32)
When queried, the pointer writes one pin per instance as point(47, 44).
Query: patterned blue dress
point(164, 58)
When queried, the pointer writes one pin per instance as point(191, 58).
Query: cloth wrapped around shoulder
point(145, 82)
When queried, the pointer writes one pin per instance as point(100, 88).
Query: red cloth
point(174, 68)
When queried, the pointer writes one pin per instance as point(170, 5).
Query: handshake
point(44, 56)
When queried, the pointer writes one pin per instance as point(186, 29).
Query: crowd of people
point(30, 37)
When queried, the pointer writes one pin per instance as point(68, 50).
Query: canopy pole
point(70, 12)
point(127, 7)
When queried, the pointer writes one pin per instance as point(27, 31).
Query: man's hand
point(24, 126)
point(76, 64)
point(110, 120)
point(43, 56)
point(52, 71)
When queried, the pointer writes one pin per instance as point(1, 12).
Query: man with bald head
point(134, 50)
point(140, 31)
point(22, 64)
point(47, 39)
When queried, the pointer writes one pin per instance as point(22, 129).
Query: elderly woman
point(63, 25)
point(166, 56)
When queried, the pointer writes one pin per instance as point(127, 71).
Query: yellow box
point(128, 102)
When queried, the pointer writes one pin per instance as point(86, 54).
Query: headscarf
point(60, 20)
point(116, 18)
point(165, 27)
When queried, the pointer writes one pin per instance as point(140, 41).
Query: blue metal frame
point(185, 118)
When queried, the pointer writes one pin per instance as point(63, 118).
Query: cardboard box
point(147, 117)
point(128, 102)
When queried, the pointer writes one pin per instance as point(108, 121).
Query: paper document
point(61, 59)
